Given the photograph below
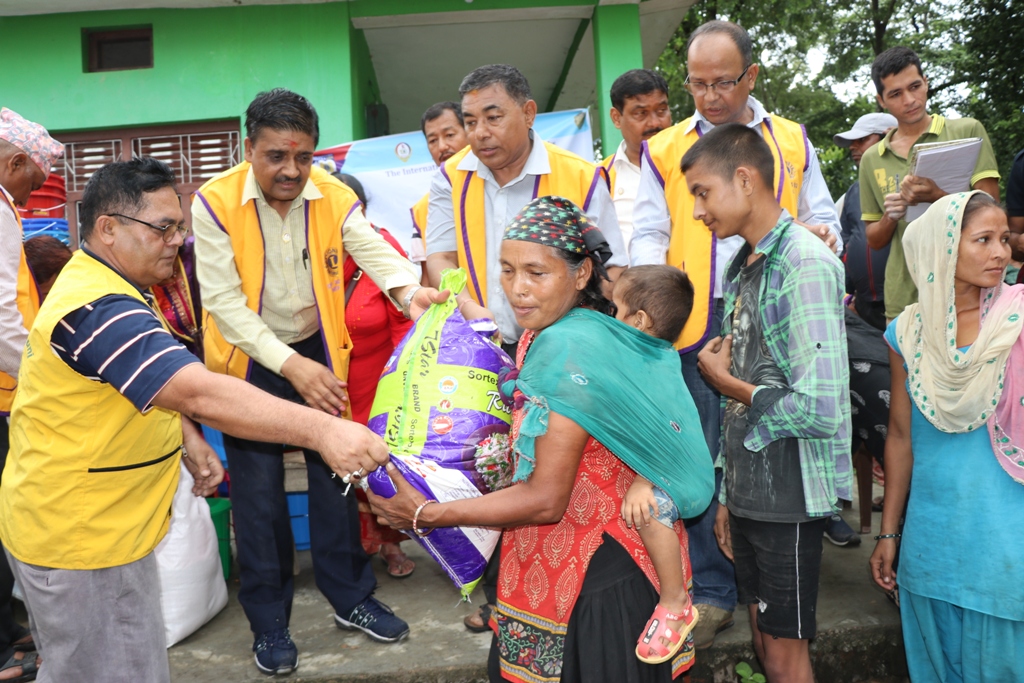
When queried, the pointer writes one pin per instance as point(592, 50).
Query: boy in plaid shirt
point(783, 373)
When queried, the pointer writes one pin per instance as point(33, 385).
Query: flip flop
point(484, 614)
point(28, 665)
point(657, 628)
point(399, 564)
point(23, 641)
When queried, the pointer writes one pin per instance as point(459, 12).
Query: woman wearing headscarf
point(956, 430)
point(575, 584)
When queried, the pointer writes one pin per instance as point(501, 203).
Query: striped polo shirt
point(119, 340)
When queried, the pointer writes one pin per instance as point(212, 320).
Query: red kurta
point(543, 565)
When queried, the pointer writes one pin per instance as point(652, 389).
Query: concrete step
point(858, 633)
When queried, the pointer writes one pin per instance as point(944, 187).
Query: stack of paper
point(950, 164)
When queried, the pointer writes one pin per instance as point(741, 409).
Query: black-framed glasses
point(720, 87)
point(168, 231)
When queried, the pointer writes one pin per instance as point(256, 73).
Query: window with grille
point(194, 158)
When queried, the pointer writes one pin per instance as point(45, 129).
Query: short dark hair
point(46, 256)
point(727, 147)
point(977, 203)
point(737, 33)
point(281, 109)
point(119, 187)
point(353, 184)
point(634, 83)
point(436, 111)
point(506, 75)
point(664, 292)
point(893, 61)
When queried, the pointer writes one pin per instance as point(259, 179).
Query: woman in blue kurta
point(956, 428)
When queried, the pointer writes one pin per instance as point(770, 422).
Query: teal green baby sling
point(625, 388)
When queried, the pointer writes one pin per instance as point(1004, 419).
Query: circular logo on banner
point(442, 424)
point(403, 151)
point(448, 385)
point(444, 405)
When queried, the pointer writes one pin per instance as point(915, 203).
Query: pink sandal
point(656, 629)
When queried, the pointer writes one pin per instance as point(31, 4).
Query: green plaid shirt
point(801, 302)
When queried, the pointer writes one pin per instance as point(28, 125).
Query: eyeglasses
point(720, 87)
point(168, 231)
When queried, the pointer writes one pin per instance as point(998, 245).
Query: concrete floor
point(858, 632)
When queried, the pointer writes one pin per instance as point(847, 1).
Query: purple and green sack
point(438, 402)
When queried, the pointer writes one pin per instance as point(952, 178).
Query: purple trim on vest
point(212, 214)
point(465, 239)
point(593, 186)
point(444, 172)
point(608, 172)
point(417, 231)
point(807, 149)
point(696, 127)
point(647, 153)
point(347, 216)
point(263, 287)
point(711, 300)
point(782, 162)
point(316, 302)
point(536, 187)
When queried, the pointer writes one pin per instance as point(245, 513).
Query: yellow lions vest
point(609, 168)
point(222, 197)
point(89, 479)
point(419, 215)
point(692, 246)
point(28, 305)
point(571, 177)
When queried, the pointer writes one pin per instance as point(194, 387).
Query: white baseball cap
point(869, 124)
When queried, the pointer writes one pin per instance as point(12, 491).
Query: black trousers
point(10, 630)
point(263, 531)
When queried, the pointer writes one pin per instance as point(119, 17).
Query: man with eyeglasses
point(272, 234)
point(721, 76)
point(102, 422)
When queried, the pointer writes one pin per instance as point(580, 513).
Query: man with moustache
point(479, 190)
point(442, 127)
point(721, 76)
point(271, 236)
point(640, 111)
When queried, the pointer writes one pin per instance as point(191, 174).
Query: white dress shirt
point(652, 224)
point(12, 326)
point(501, 204)
point(627, 183)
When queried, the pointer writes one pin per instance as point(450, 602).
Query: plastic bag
point(436, 402)
point(192, 587)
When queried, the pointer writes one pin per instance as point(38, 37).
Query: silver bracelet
point(407, 301)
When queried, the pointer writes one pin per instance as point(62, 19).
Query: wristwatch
point(407, 301)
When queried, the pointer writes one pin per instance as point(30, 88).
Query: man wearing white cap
point(865, 267)
point(26, 154)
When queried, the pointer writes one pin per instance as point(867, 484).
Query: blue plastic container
point(54, 227)
point(298, 509)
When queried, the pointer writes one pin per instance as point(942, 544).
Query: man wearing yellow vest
point(721, 76)
point(640, 111)
point(506, 166)
point(101, 422)
point(442, 126)
point(27, 153)
point(271, 237)
point(480, 189)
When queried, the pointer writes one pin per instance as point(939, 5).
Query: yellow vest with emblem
point(28, 306)
point(571, 177)
point(222, 196)
point(692, 246)
point(89, 479)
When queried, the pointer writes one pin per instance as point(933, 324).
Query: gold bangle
point(416, 518)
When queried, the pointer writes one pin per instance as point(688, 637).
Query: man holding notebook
point(886, 186)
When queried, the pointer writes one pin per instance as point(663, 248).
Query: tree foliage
point(965, 46)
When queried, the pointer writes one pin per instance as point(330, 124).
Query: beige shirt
point(289, 309)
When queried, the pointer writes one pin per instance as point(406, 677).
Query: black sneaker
point(840, 533)
point(276, 654)
point(376, 620)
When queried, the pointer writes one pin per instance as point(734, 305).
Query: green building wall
point(207, 65)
